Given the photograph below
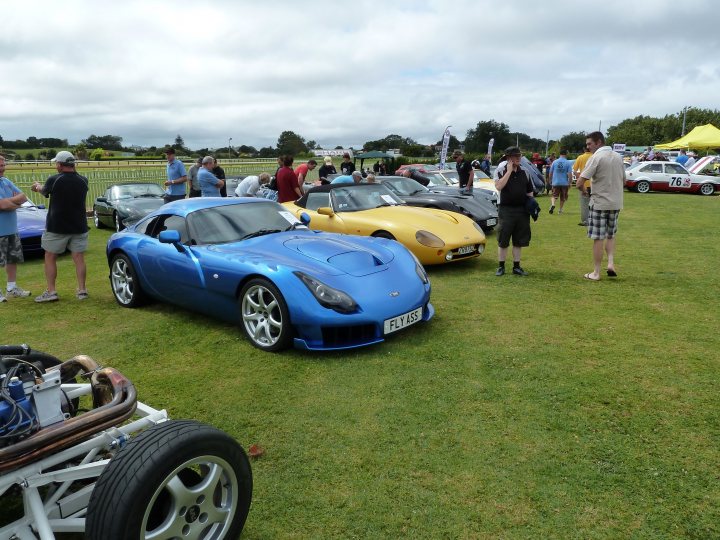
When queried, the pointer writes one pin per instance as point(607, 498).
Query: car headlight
point(420, 269)
point(429, 239)
point(328, 296)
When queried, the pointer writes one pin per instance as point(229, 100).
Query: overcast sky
point(345, 72)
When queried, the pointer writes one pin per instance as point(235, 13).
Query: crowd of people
point(600, 174)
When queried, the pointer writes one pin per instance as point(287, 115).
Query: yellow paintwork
point(456, 230)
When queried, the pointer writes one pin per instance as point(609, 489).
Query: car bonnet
point(354, 258)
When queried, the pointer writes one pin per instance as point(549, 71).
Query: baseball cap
point(64, 157)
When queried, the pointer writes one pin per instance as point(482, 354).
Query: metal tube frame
point(61, 510)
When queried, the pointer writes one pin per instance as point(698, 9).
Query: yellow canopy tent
point(700, 138)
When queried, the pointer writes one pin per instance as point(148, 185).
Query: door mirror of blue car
point(305, 218)
point(169, 237)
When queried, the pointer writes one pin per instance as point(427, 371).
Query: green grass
point(538, 407)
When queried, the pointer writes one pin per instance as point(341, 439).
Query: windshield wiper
point(261, 232)
point(150, 195)
point(416, 192)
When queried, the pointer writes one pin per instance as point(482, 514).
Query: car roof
point(183, 207)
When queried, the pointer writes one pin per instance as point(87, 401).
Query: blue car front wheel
point(265, 317)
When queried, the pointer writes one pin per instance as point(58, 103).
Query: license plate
point(492, 221)
point(402, 321)
point(465, 250)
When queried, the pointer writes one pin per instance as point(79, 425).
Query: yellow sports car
point(434, 236)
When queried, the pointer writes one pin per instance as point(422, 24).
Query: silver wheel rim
point(123, 284)
point(643, 187)
point(96, 220)
point(262, 316)
point(198, 499)
point(706, 189)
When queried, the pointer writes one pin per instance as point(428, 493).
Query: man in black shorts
point(514, 220)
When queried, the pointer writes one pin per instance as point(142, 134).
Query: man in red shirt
point(302, 170)
point(287, 182)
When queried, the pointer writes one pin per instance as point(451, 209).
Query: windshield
point(404, 186)
point(363, 197)
point(131, 191)
point(232, 223)
point(437, 179)
point(451, 176)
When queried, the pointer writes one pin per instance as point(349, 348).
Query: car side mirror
point(172, 237)
point(169, 237)
point(102, 199)
point(325, 211)
point(305, 219)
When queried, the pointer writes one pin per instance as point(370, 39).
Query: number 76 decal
point(680, 181)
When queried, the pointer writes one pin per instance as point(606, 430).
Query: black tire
point(264, 316)
point(182, 477)
point(643, 186)
point(118, 224)
point(707, 189)
point(124, 282)
point(96, 219)
point(383, 234)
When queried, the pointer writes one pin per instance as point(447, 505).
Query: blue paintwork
point(31, 225)
point(208, 278)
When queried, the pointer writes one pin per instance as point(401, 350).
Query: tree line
point(638, 131)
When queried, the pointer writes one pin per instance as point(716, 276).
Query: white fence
point(100, 180)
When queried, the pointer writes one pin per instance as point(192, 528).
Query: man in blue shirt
point(560, 177)
point(343, 179)
point(682, 158)
point(209, 183)
point(177, 177)
point(10, 247)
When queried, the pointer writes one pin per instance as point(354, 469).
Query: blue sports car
point(252, 262)
point(31, 225)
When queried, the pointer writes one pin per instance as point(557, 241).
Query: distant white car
point(668, 176)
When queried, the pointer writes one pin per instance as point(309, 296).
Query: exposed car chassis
point(123, 470)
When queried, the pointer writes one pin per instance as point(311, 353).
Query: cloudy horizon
point(342, 73)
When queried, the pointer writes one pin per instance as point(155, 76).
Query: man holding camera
point(513, 218)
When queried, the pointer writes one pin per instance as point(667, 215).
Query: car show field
point(545, 406)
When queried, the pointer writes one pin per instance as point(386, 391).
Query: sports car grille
point(337, 336)
point(31, 244)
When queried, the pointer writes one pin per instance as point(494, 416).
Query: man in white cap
point(66, 226)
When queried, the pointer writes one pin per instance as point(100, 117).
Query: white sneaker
point(2, 298)
point(81, 295)
point(47, 297)
point(18, 292)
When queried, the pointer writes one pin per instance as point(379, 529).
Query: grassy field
point(538, 407)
